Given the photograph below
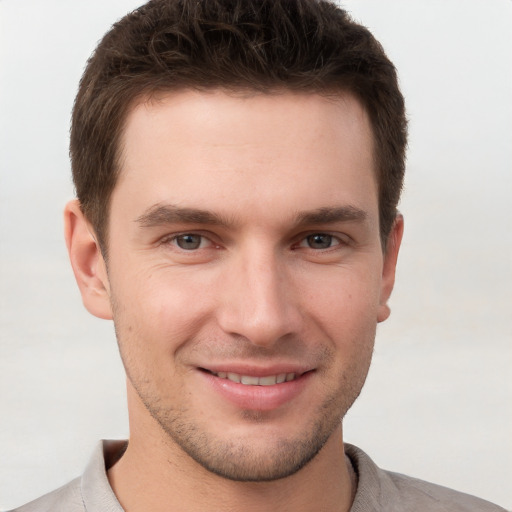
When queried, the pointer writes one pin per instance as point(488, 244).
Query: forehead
point(285, 147)
point(242, 114)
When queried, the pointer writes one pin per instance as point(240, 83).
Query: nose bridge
point(258, 297)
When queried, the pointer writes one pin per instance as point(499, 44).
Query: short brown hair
point(262, 45)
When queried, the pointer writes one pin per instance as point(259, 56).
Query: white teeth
point(250, 380)
point(267, 381)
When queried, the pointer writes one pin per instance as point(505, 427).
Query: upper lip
point(257, 370)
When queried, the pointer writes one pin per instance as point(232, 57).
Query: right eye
point(189, 241)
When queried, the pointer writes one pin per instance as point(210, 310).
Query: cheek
point(159, 308)
point(345, 314)
point(343, 299)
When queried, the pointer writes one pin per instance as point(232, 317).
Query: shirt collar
point(97, 494)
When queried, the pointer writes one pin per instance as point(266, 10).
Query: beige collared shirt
point(377, 490)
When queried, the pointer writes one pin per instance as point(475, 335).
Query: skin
point(244, 237)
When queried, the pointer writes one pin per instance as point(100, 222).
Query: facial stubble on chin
point(238, 460)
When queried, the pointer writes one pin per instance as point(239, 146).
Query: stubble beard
point(238, 459)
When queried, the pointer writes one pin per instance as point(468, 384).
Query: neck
point(155, 474)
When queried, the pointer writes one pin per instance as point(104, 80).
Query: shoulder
point(65, 499)
point(90, 492)
point(415, 492)
point(380, 490)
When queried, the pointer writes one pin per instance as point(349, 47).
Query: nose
point(259, 301)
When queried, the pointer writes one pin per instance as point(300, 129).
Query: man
point(238, 167)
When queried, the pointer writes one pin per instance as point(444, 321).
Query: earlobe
point(87, 262)
point(389, 267)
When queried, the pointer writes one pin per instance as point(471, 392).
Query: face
point(246, 275)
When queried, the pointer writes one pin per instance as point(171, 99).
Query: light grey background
point(437, 403)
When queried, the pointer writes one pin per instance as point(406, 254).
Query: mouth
point(253, 388)
point(252, 380)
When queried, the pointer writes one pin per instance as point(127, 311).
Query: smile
point(258, 389)
point(250, 380)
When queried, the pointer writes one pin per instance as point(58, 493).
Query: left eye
point(319, 241)
point(189, 241)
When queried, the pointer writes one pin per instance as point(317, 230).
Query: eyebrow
point(330, 215)
point(162, 214)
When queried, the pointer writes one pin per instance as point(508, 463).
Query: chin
point(243, 460)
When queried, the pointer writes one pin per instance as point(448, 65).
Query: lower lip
point(258, 398)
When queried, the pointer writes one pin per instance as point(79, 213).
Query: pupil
point(320, 241)
point(188, 242)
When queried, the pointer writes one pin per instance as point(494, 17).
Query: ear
point(87, 262)
point(389, 267)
